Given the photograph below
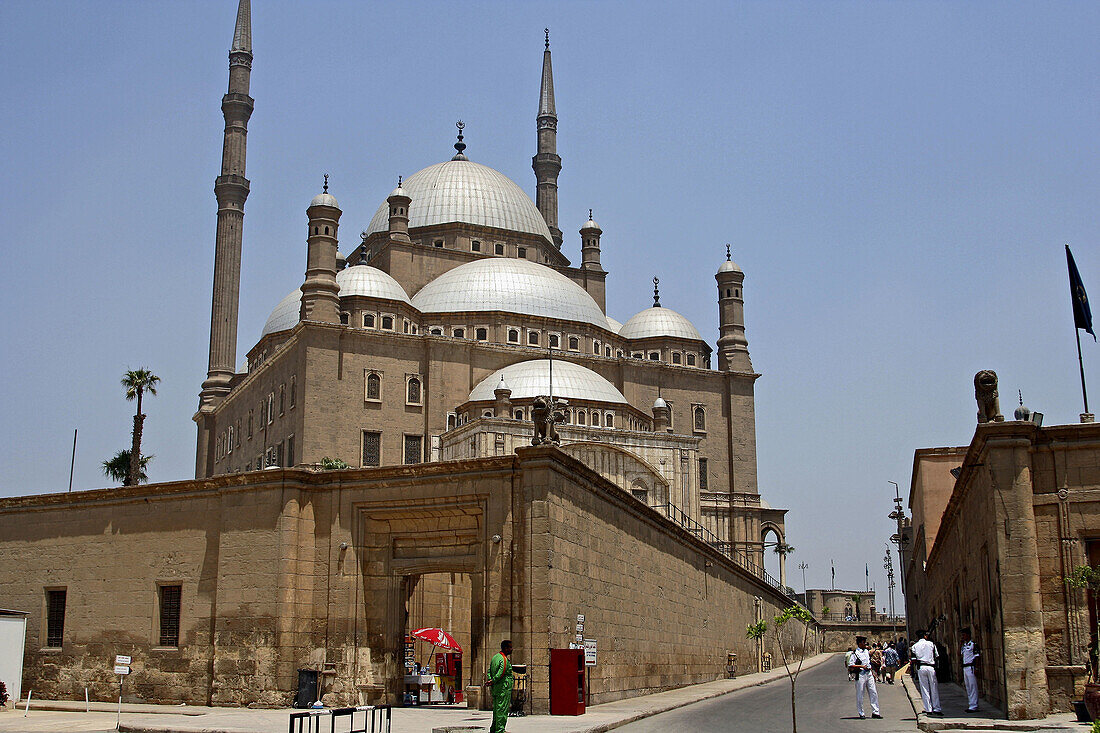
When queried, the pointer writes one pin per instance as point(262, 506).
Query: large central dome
point(511, 286)
point(467, 192)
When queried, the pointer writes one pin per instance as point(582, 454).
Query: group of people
point(868, 665)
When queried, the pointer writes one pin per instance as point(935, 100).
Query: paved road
point(826, 702)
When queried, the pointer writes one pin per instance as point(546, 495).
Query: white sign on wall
point(590, 652)
point(121, 659)
point(122, 669)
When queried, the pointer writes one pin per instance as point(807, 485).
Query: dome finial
point(656, 293)
point(547, 31)
point(399, 179)
point(590, 215)
point(460, 146)
point(324, 189)
point(1022, 413)
point(728, 253)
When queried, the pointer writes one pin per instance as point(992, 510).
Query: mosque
point(425, 360)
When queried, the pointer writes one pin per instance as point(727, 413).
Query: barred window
point(374, 387)
point(55, 617)
point(170, 615)
point(372, 448)
point(413, 391)
point(703, 481)
point(414, 448)
point(700, 420)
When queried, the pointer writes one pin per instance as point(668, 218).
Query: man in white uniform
point(969, 658)
point(923, 654)
point(865, 681)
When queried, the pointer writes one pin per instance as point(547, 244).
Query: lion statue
point(985, 392)
point(543, 417)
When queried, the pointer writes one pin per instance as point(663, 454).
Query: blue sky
point(897, 181)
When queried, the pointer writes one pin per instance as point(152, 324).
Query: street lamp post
point(802, 566)
point(898, 515)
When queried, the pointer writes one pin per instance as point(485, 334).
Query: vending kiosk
point(567, 682)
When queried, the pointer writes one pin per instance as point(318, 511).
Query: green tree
point(1087, 578)
point(785, 639)
point(137, 382)
point(117, 468)
point(856, 599)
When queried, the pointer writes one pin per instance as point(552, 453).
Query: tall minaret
point(547, 162)
point(733, 347)
point(231, 190)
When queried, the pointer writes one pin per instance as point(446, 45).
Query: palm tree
point(856, 598)
point(117, 467)
point(137, 382)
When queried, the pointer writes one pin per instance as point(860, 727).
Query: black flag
point(1082, 314)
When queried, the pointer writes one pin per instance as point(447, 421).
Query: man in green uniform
point(500, 684)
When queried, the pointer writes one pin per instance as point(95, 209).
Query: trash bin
point(307, 688)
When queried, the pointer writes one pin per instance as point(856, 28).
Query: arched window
point(436, 331)
point(580, 417)
point(459, 333)
point(676, 357)
point(518, 414)
point(452, 421)
point(513, 335)
point(532, 338)
point(609, 420)
point(595, 419)
point(387, 323)
point(368, 320)
point(413, 391)
point(374, 387)
point(574, 343)
point(326, 230)
point(481, 334)
point(700, 420)
point(691, 359)
point(487, 413)
point(555, 341)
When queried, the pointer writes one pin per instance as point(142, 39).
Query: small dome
point(324, 199)
point(658, 321)
point(1023, 413)
point(590, 224)
point(358, 280)
point(659, 404)
point(510, 286)
point(399, 191)
point(613, 325)
point(729, 266)
point(530, 379)
point(467, 192)
point(503, 386)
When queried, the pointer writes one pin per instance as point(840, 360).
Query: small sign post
point(590, 652)
point(122, 668)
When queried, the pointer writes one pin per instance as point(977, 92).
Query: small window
point(368, 320)
point(499, 249)
point(481, 334)
point(727, 292)
point(518, 414)
point(414, 329)
point(452, 421)
point(326, 230)
point(475, 246)
point(170, 615)
point(609, 420)
point(691, 359)
point(372, 448)
point(619, 353)
point(676, 357)
point(607, 351)
point(413, 390)
point(55, 617)
point(641, 495)
point(270, 407)
point(595, 419)
point(345, 318)
point(414, 449)
point(229, 442)
point(513, 336)
point(703, 479)
point(580, 417)
point(700, 417)
point(459, 333)
point(293, 390)
point(387, 323)
point(636, 355)
point(438, 243)
point(596, 348)
point(655, 356)
point(532, 338)
point(282, 398)
point(435, 331)
point(521, 252)
point(373, 391)
point(555, 341)
point(574, 343)
point(736, 293)
point(290, 451)
point(487, 413)
point(250, 424)
point(405, 326)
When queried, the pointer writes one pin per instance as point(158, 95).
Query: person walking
point(876, 661)
point(848, 664)
point(892, 661)
point(970, 656)
point(865, 681)
point(924, 654)
point(500, 685)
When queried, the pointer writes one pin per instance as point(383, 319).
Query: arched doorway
point(775, 551)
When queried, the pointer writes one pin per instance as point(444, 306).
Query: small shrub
point(3, 693)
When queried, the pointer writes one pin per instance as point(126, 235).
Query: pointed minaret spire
point(547, 162)
point(656, 293)
point(231, 190)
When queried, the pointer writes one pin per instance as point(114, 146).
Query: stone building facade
point(991, 549)
point(285, 569)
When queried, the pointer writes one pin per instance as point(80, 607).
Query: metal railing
point(376, 719)
point(677, 515)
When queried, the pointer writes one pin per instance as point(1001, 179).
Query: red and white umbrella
point(437, 638)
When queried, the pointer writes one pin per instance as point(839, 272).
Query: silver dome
point(532, 378)
point(357, 280)
point(463, 191)
point(512, 286)
point(659, 322)
point(613, 325)
point(659, 403)
point(729, 266)
point(324, 199)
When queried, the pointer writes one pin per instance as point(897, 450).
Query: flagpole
point(1081, 366)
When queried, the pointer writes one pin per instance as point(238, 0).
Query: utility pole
point(802, 566)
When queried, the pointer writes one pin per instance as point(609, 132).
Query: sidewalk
point(953, 701)
point(69, 717)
